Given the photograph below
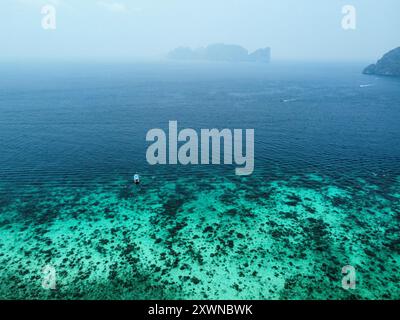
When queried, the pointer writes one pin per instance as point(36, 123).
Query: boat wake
point(288, 100)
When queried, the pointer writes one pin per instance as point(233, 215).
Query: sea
point(319, 218)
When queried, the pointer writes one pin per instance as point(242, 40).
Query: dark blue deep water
point(71, 123)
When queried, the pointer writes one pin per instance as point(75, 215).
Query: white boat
point(136, 179)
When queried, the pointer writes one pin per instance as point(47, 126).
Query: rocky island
point(221, 52)
point(388, 65)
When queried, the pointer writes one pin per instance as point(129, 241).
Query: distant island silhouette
point(388, 65)
point(221, 52)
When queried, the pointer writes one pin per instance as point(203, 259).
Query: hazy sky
point(122, 29)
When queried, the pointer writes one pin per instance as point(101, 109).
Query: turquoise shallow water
point(324, 194)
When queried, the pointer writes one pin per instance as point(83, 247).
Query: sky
point(119, 30)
